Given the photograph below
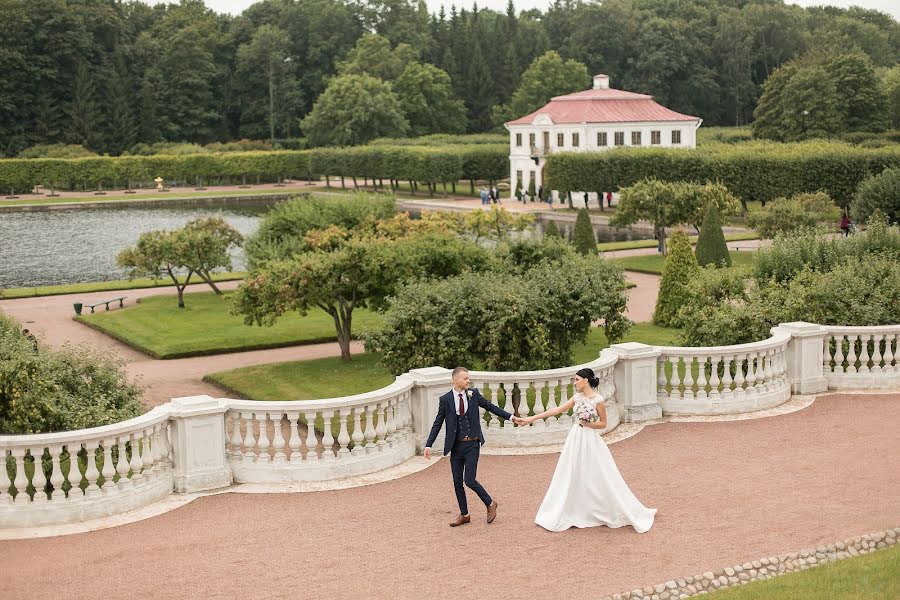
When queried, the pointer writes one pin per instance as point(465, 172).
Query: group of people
point(587, 489)
point(523, 197)
point(490, 195)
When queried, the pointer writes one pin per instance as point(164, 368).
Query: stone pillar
point(430, 384)
point(804, 356)
point(635, 378)
point(198, 444)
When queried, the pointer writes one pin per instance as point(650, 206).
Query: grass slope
point(159, 328)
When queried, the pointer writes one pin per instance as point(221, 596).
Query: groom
point(463, 440)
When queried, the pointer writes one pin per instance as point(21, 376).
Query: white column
point(198, 444)
point(804, 356)
point(636, 380)
point(430, 384)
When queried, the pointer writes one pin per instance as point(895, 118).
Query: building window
point(546, 140)
point(560, 139)
point(635, 138)
point(576, 141)
point(676, 136)
point(655, 138)
point(601, 139)
point(619, 138)
point(531, 138)
point(519, 140)
point(518, 179)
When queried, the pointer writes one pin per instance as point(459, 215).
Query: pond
point(77, 245)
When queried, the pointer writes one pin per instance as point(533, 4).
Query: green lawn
point(870, 577)
point(653, 263)
point(633, 244)
point(158, 327)
point(330, 377)
point(99, 286)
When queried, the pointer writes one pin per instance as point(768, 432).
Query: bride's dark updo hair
point(588, 374)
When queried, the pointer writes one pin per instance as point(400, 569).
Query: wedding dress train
point(587, 489)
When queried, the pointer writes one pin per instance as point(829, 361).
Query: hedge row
point(424, 164)
point(752, 171)
point(22, 175)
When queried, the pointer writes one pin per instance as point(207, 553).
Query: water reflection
point(71, 246)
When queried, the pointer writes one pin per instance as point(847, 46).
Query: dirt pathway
point(727, 492)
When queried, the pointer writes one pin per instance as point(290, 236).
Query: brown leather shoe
point(492, 512)
point(461, 520)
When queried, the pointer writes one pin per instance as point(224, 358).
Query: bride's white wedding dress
point(587, 489)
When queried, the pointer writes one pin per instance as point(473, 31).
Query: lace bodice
point(582, 401)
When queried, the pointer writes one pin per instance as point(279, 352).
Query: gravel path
point(727, 492)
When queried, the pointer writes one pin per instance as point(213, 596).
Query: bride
point(587, 489)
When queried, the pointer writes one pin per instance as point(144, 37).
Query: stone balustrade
point(861, 357)
point(86, 474)
point(724, 379)
point(274, 442)
point(201, 443)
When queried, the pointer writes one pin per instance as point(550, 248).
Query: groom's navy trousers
point(464, 454)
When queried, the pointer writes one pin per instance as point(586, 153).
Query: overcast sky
point(235, 7)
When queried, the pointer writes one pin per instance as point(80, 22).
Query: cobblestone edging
point(764, 568)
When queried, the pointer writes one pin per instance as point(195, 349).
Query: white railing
point(80, 475)
point(542, 390)
point(273, 442)
point(862, 357)
point(201, 443)
point(724, 379)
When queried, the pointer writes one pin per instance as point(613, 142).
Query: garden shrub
point(802, 211)
point(681, 266)
point(583, 236)
point(711, 248)
point(880, 192)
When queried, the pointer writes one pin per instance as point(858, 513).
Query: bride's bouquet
point(587, 414)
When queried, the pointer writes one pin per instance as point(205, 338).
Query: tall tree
point(426, 97)
point(83, 112)
point(548, 76)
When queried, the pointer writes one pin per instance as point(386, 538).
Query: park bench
point(106, 302)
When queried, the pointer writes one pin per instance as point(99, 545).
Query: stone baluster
point(540, 390)
point(74, 474)
point(293, 418)
point(739, 374)
point(689, 377)
point(122, 464)
point(358, 435)
point(136, 463)
point(91, 473)
point(728, 363)
point(278, 439)
point(56, 476)
point(751, 372)
point(109, 469)
point(714, 379)
point(234, 449)
point(851, 354)
point(249, 439)
point(701, 377)
point(381, 426)
point(165, 447)
point(343, 436)
point(371, 412)
point(676, 381)
point(5, 482)
point(889, 365)
point(262, 441)
point(826, 354)
point(20, 482)
point(159, 445)
point(391, 421)
point(771, 371)
point(311, 442)
point(864, 354)
point(877, 354)
point(328, 437)
point(839, 354)
point(147, 451)
point(39, 479)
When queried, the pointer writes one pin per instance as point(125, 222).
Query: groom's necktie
point(462, 407)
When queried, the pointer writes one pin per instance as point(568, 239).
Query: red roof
point(604, 106)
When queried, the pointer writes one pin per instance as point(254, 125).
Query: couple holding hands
point(586, 490)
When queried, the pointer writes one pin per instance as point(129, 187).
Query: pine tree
point(674, 291)
point(83, 113)
point(583, 236)
point(711, 248)
point(551, 230)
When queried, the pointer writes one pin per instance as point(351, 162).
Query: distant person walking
point(846, 223)
point(484, 196)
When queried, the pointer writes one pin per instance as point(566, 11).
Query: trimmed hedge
point(430, 164)
point(752, 171)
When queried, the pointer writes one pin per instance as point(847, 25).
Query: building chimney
point(601, 82)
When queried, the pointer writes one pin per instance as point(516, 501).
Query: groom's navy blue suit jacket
point(447, 407)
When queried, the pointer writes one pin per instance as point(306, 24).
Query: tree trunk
point(472, 187)
point(180, 289)
point(209, 280)
point(453, 187)
point(661, 239)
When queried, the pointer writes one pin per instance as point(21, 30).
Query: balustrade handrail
point(401, 384)
point(152, 417)
point(777, 340)
point(602, 362)
point(861, 329)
